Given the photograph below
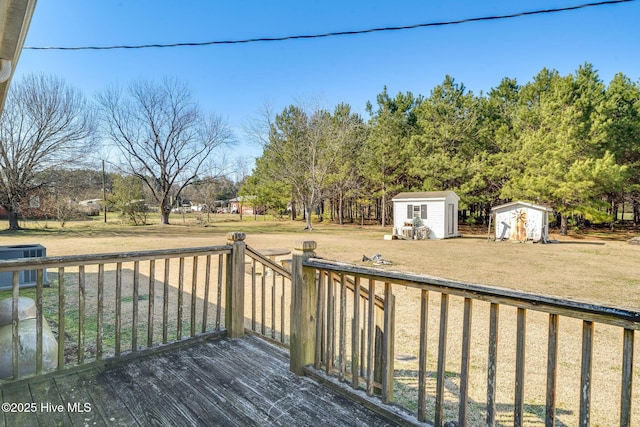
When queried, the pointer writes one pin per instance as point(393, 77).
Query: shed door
point(519, 221)
point(451, 213)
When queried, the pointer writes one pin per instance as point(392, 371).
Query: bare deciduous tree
point(163, 136)
point(45, 124)
point(302, 149)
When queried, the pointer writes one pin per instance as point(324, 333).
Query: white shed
point(522, 221)
point(438, 210)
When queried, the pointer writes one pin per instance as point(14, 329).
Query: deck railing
point(102, 306)
point(490, 356)
point(107, 305)
point(497, 374)
point(270, 293)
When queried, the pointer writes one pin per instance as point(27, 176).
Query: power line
point(338, 33)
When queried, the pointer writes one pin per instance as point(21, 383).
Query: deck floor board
point(75, 391)
point(46, 392)
point(241, 382)
point(113, 409)
point(18, 395)
point(2, 423)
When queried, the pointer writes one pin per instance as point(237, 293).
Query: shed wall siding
point(506, 223)
point(439, 220)
point(435, 216)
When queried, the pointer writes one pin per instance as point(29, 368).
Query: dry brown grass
point(600, 269)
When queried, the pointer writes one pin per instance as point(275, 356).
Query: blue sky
point(236, 80)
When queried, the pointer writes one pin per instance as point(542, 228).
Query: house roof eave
point(15, 18)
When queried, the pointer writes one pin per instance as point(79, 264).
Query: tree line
point(568, 142)
point(73, 194)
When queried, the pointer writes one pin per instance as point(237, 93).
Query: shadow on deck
point(222, 382)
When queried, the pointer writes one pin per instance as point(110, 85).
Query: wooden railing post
point(303, 308)
point(234, 307)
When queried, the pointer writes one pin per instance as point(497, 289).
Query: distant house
point(437, 210)
point(91, 206)
point(244, 204)
point(521, 221)
point(33, 206)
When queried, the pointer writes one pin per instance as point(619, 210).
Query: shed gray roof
point(410, 195)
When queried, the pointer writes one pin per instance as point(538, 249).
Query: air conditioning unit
point(27, 277)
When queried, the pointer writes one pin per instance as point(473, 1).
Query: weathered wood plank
point(363, 340)
point(107, 401)
point(61, 317)
point(15, 337)
point(182, 403)
point(108, 258)
point(151, 301)
point(194, 295)
point(165, 301)
point(134, 314)
point(581, 310)
point(214, 393)
point(422, 356)
point(45, 394)
point(157, 408)
point(520, 363)
point(273, 305)
point(464, 363)
point(234, 295)
point(118, 318)
point(442, 359)
point(81, 409)
point(205, 299)
point(100, 312)
point(39, 317)
point(320, 319)
point(180, 298)
point(219, 295)
point(552, 371)
point(81, 313)
point(342, 332)
point(388, 344)
point(283, 309)
point(492, 364)
point(2, 423)
point(371, 326)
point(627, 378)
point(263, 299)
point(331, 322)
point(304, 320)
point(273, 265)
point(19, 394)
point(355, 336)
point(269, 398)
point(202, 383)
point(254, 272)
point(586, 373)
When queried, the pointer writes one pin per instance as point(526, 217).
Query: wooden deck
point(242, 382)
